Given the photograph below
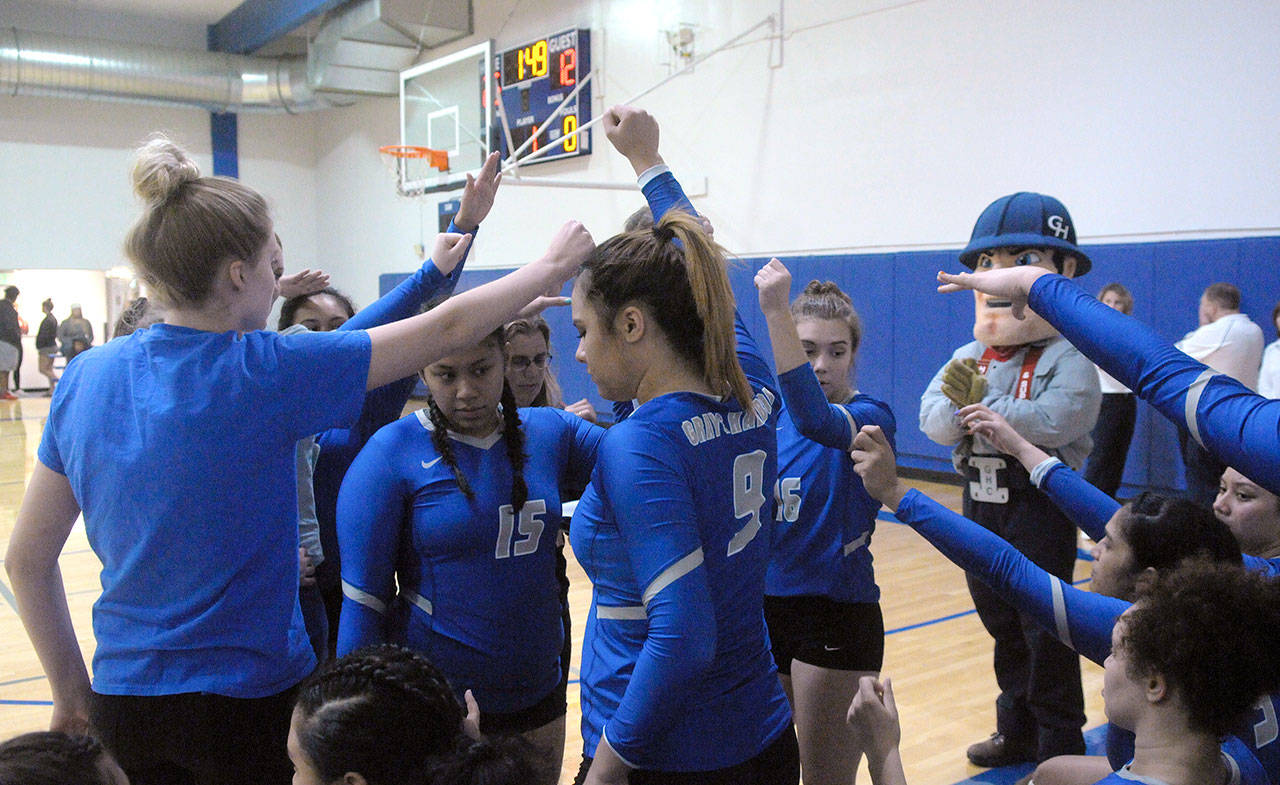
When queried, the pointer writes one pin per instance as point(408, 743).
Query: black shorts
point(196, 738)
point(777, 764)
point(843, 636)
point(549, 708)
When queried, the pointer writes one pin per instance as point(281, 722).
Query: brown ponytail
point(679, 275)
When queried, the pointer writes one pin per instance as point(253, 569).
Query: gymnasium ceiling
point(190, 11)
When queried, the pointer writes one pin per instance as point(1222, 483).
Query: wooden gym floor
point(936, 650)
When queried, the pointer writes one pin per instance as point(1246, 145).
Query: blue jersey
point(477, 589)
point(1238, 773)
point(824, 517)
point(1239, 427)
point(676, 666)
point(674, 533)
point(339, 446)
point(179, 447)
point(1082, 620)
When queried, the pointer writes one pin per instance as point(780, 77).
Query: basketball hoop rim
point(409, 151)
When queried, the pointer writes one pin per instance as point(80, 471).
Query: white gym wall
point(888, 124)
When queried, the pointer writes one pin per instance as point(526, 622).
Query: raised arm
point(403, 348)
point(1239, 427)
point(1081, 620)
point(833, 425)
point(49, 510)
point(371, 515)
point(439, 274)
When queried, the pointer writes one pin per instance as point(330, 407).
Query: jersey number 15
point(529, 524)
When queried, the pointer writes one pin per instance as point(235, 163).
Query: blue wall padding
point(909, 330)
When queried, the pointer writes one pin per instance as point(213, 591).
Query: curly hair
point(1209, 630)
point(383, 711)
point(51, 758)
point(499, 760)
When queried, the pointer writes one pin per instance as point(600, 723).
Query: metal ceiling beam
point(255, 23)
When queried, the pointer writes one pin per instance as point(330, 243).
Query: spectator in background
point(10, 341)
point(47, 344)
point(75, 334)
point(1269, 373)
point(1228, 342)
point(1114, 431)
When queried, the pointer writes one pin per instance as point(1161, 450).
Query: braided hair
point(51, 758)
point(512, 434)
point(384, 711)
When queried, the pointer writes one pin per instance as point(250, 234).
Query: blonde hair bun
point(160, 169)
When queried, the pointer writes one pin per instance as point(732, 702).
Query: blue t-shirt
point(179, 447)
point(825, 517)
point(478, 592)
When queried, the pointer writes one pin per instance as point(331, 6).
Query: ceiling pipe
point(45, 64)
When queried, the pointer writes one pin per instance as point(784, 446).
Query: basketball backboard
point(443, 106)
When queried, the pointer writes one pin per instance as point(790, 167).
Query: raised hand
point(1010, 283)
point(873, 715)
point(963, 383)
point(303, 282)
point(478, 195)
point(634, 133)
point(583, 409)
point(471, 722)
point(873, 460)
point(569, 249)
point(993, 427)
point(773, 284)
point(448, 250)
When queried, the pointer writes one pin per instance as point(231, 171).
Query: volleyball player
point(677, 680)
point(449, 520)
point(53, 758)
point(1151, 534)
point(386, 715)
point(177, 443)
point(320, 476)
point(1236, 425)
point(822, 603)
point(1185, 665)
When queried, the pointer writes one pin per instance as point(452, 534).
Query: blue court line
point(21, 681)
point(941, 619)
point(25, 703)
point(8, 596)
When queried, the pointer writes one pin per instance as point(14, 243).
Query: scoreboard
point(531, 81)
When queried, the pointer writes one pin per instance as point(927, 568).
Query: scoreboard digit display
point(531, 81)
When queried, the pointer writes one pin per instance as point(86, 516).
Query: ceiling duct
point(358, 49)
point(44, 64)
point(363, 46)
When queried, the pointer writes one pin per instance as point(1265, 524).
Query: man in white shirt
point(1228, 342)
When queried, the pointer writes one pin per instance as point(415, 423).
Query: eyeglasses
point(522, 362)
